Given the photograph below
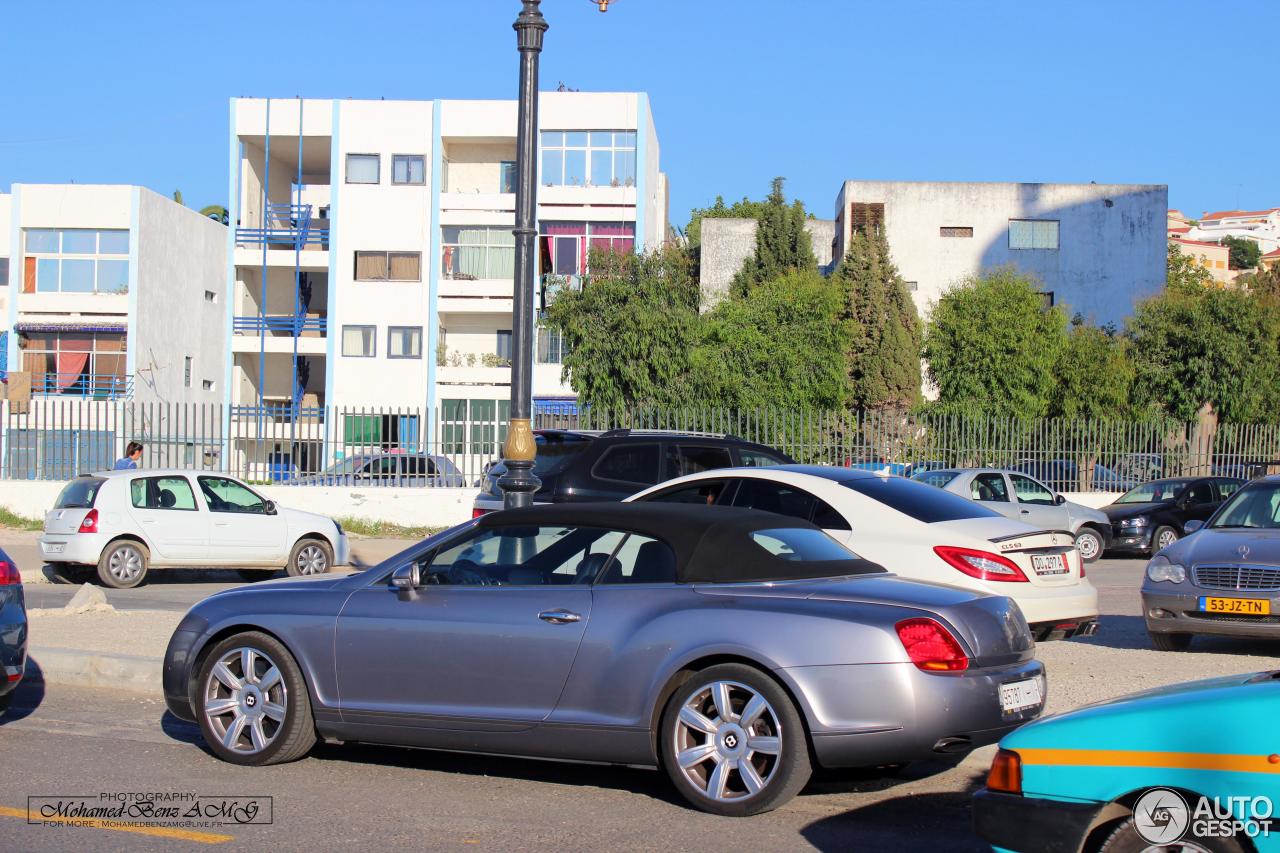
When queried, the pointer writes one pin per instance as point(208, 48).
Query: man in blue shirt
point(132, 456)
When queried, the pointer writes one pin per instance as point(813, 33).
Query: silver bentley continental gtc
point(732, 648)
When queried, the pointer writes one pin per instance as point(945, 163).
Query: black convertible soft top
point(712, 544)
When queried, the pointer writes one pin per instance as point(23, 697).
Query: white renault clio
point(126, 522)
point(918, 532)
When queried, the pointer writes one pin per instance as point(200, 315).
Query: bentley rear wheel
point(733, 742)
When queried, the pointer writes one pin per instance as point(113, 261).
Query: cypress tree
point(782, 243)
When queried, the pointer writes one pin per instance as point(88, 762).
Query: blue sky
point(816, 90)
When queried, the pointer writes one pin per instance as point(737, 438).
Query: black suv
point(586, 465)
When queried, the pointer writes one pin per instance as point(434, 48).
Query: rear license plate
point(1020, 695)
point(55, 547)
point(1237, 606)
point(1049, 564)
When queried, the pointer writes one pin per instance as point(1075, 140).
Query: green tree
point(1245, 253)
point(1264, 284)
point(631, 330)
point(215, 211)
point(992, 346)
point(781, 348)
point(1094, 375)
point(882, 359)
point(782, 243)
point(177, 196)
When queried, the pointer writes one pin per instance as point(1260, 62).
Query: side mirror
point(406, 580)
point(1192, 526)
point(270, 507)
point(1059, 500)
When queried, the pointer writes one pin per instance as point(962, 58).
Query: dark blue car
point(13, 630)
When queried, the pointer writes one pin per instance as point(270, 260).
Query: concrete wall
point(1111, 238)
point(410, 507)
point(726, 246)
point(821, 234)
point(181, 256)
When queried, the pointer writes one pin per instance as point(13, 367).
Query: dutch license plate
point(1020, 695)
point(1049, 564)
point(1236, 606)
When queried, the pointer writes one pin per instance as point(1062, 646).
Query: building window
point(478, 251)
point(866, 218)
point(79, 364)
point(363, 168)
point(408, 169)
point(955, 231)
point(4, 272)
point(359, 341)
point(1046, 299)
point(589, 158)
point(912, 286)
point(565, 245)
point(503, 348)
point(210, 296)
point(551, 348)
point(76, 261)
point(207, 384)
point(507, 175)
point(186, 372)
point(388, 266)
point(477, 427)
point(404, 342)
point(1033, 233)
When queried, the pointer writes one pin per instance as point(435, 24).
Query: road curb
point(80, 668)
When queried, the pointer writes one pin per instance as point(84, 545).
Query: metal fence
point(56, 438)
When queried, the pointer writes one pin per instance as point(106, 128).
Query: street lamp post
point(519, 482)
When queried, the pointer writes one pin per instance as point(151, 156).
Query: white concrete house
point(1260, 226)
point(371, 254)
point(1097, 249)
point(112, 293)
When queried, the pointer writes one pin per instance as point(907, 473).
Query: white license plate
point(1020, 695)
point(55, 547)
point(1050, 564)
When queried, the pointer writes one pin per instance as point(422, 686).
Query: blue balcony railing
point(287, 224)
point(281, 324)
point(98, 386)
point(278, 412)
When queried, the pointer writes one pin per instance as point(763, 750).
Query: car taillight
point(476, 513)
point(1006, 773)
point(9, 574)
point(982, 565)
point(930, 646)
point(90, 522)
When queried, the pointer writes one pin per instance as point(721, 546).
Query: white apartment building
point(371, 255)
point(1260, 226)
point(111, 293)
point(1097, 249)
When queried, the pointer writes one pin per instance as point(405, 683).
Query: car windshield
point(934, 478)
point(1160, 490)
point(921, 502)
point(1255, 506)
point(80, 493)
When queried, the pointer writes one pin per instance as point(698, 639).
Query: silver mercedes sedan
point(732, 648)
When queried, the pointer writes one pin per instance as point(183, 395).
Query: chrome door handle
point(1025, 511)
point(559, 617)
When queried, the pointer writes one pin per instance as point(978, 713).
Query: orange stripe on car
point(1139, 758)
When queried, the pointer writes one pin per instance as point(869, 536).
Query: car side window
point(641, 559)
point(383, 467)
point(1030, 492)
point(757, 459)
point(1227, 488)
point(691, 459)
point(990, 487)
point(774, 497)
point(223, 495)
point(1200, 493)
point(418, 466)
point(162, 493)
point(826, 517)
point(523, 555)
point(630, 463)
point(705, 492)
